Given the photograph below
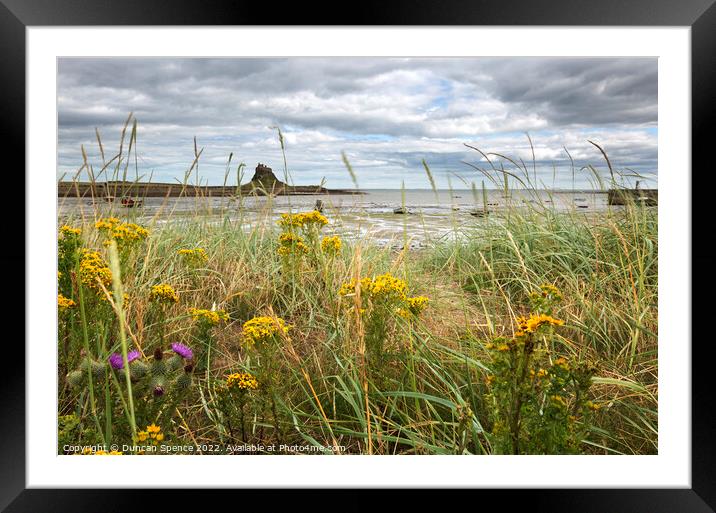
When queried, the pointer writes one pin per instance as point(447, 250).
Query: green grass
point(431, 394)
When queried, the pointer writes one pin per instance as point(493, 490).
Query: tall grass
point(430, 397)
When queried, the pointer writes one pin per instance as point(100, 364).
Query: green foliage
point(539, 405)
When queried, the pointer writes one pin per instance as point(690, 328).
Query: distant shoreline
point(119, 189)
point(159, 189)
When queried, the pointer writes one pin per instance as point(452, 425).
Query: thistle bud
point(174, 363)
point(158, 391)
point(98, 370)
point(138, 369)
point(158, 354)
point(158, 382)
point(159, 368)
point(75, 378)
point(85, 365)
point(188, 368)
point(183, 381)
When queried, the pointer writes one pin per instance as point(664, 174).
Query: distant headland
point(263, 183)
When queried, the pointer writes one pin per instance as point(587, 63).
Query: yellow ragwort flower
point(151, 434)
point(210, 317)
point(331, 244)
point(303, 220)
point(417, 304)
point(126, 233)
point(291, 243)
point(534, 322)
point(196, 256)
point(106, 223)
point(63, 303)
point(241, 381)
point(561, 362)
point(93, 269)
point(164, 293)
point(262, 329)
point(68, 231)
point(549, 289)
point(386, 286)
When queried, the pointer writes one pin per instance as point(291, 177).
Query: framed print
point(426, 250)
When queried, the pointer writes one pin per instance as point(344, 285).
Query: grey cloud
point(373, 107)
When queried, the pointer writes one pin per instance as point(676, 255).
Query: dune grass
point(357, 372)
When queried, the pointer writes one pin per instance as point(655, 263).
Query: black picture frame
point(700, 15)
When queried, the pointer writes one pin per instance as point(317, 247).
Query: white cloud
point(386, 114)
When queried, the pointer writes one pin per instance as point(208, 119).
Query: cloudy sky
point(386, 114)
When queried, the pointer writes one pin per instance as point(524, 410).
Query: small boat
point(580, 199)
point(582, 206)
point(479, 213)
point(400, 210)
point(131, 202)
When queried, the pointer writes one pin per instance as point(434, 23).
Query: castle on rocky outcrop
point(264, 175)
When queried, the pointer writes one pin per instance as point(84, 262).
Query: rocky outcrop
point(265, 182)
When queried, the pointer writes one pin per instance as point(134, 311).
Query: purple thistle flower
point(115, 359)
point(158, 391)
point(183, 351)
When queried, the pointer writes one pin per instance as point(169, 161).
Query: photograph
point(357, 255)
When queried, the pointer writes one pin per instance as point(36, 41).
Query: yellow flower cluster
point(64, 303)
point(164, 293)
point(387, 285)
point(261, 329)
point(211, 317)
point(196, 256)
point(94, 269)
point(417, 304)
point(291, 243)
point(561, 362)
point(350, 287)
point(549, 289)
point(331, 244)
point(152, 434)
point(534, 322)
point(541, 373)
point(387, 289)
point(68, 231)
point(383, 286)
point(593, 406)
point(107, 223)
point(127, 233)
point(123, 233)
point(303, 220)
point(241, 381)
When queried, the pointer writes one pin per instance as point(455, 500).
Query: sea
point(386, 216)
